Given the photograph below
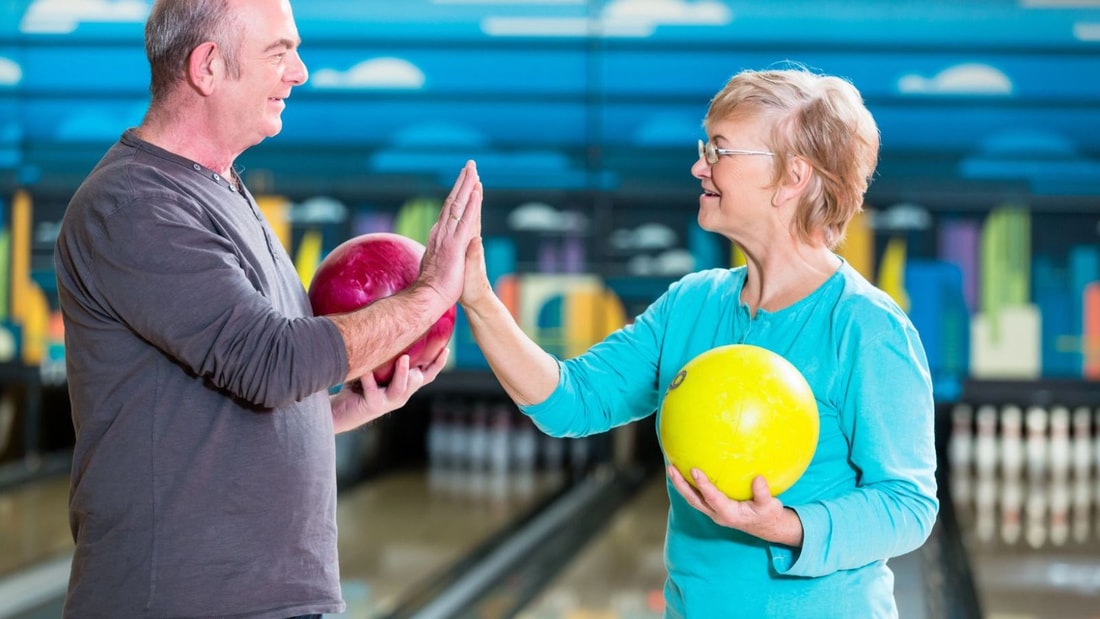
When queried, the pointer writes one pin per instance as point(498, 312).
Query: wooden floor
point(34, 524)
point(621, 573)
point(403, 529)
point(396, 532)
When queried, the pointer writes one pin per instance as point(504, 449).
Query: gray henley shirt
point(203, 476)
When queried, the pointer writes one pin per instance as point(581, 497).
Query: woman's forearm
point(526, 372)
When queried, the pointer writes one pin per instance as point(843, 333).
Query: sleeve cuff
point(794, 562)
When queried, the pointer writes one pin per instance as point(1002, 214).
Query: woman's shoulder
point(865, 305)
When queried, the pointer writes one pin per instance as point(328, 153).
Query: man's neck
point(189, 140)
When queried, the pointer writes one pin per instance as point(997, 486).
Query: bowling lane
point(34, 523)
point(1025, 480)
point(620, 573)
point(403, 530)
point(398, 531)
point(36, 547)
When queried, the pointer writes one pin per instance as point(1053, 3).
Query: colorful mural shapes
point(938, 311)
point(567, 314)
point(1006, 333)
point(30, 310)
point(1061, 347)
point(276, 210)
point(416, 217)
point(1091, 334)
point(858, 247)
point(891, 272)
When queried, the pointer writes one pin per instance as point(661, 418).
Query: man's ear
point(204, 66)
point(795, 182)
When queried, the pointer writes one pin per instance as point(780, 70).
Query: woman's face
point(737, 187)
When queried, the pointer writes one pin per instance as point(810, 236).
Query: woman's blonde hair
point(821, 119)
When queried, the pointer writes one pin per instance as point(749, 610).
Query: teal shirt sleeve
point(887, 414)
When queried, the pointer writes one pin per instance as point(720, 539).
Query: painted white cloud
point(673, 262)
point(541, 217)
point(1087, 31)
point(961, 79)
point(63, 16)
point(619, 18)
point(648, 236)
point(319, 210)
point(902, 216)
point(382, 72)
point(10, 72)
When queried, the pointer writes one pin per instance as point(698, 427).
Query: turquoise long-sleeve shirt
point(868, 494)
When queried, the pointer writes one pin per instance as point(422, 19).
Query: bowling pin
point(460, 448)
point(1096, 448)
point(525, 451)
point(437, 434)
point(1035, 512)
point(524, 454)
point(553, 454)
point(1082, 443)
point(1059, 510)
point(1036, 442)
point(478, 456)
point(960, 457)
point(1012, 500)
point(1093, 473)
point(437, 447)
point(960, 450)
point(1060, 452)
point(500, 434)
point(1081, 506)
point(1011, 442)
point(479, 449)
point(985, 508)
point(985, 443)
point(500, 430)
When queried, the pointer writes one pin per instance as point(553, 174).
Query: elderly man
point(203, 479)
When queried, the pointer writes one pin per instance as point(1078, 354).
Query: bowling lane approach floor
point(1042, 569)
point(396, 532)
point(401, 528)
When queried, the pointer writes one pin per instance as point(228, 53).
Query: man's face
point(269, 68)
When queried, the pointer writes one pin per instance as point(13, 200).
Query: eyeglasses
point(710, 152)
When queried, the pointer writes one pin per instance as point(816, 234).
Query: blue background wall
point(973, 98)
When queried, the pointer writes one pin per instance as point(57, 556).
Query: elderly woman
point(787, 161)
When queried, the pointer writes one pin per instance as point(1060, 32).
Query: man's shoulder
point(122, 177)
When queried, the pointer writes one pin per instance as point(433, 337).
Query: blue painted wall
point(589, 95)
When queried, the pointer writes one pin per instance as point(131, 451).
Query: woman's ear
point(794, 182)
point(203, 67)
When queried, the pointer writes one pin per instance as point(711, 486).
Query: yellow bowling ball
point(738, 411)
